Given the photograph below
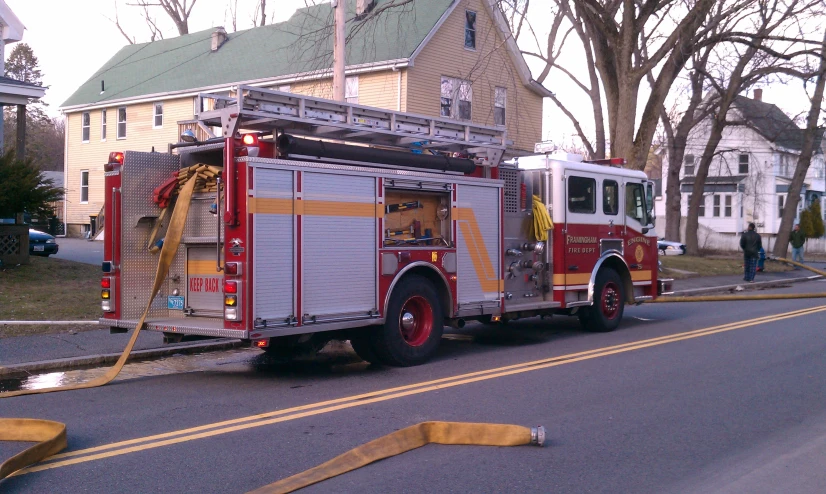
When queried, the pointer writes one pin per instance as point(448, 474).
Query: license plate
point(175, 302)
point(39, 248)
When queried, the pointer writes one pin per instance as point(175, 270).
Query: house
point(749, 177)
point(454, 58)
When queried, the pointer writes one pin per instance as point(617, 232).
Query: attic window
point(743, 164)
point(470, 29)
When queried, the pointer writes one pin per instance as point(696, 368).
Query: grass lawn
point(711, 266)
point(49, 289)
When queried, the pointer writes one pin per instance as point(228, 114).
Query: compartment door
point(478, 246)
point(204, 295)
point(339, 246)
point(274, 245)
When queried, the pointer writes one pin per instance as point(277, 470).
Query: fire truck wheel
point(609, 303)
point(414, 324)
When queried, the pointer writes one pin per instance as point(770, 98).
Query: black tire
point(415, 340)
point(362, 344)
point(609, 303)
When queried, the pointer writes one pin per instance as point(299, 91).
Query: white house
point(751, 172)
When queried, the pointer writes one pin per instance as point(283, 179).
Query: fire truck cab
point(330, 220)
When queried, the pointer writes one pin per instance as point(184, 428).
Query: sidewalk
point(61, 351)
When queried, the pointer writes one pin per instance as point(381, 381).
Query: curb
point(68, 363)
point(745, 286)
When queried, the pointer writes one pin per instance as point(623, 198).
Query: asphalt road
point(698, 398)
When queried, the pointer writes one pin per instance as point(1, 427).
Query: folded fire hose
point(50, 436)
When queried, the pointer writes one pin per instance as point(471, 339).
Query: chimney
point(758, 95)
point(364, 6)
point(219, 36)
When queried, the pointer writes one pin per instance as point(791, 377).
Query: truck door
point(640, 243)
point(611, 222)
point(582, 225)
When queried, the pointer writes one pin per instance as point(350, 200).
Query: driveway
point(80, 250)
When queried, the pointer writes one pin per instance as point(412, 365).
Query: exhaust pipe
point(290, 145)
point(456, 323)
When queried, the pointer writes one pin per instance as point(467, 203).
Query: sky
point(74, 38)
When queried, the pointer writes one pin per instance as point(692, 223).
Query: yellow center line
point(303, 411)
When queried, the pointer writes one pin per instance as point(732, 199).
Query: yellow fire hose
point(51, 436)
point(728, 298)
point(408, 439)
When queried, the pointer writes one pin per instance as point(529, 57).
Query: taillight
point(230, 287)
point(107, 294)
point(115, 158)
point(232, 268)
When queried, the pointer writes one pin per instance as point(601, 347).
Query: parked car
point(41, 244)
point(669, 248)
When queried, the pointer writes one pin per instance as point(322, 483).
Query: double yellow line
point(294, 413)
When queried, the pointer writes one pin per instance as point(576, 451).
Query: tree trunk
point(793, 197)
point(673, 198)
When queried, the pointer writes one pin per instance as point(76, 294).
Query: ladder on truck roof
point(258, 109)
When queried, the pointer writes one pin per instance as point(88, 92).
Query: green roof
point(299, 45)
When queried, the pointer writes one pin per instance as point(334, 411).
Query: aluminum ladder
point(257, 109)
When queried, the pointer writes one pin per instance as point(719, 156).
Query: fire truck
point(328, 220)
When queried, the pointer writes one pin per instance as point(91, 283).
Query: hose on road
point(729, 298)
point(408, 439)
point(51, 436)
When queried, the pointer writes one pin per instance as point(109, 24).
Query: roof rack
point(256, 109)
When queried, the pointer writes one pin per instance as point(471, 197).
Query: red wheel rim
point(416, 320)
point(610, 300)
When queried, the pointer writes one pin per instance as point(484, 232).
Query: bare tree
point(757, 57)
point(516, 12)
point(804, 160)
point(177, 10)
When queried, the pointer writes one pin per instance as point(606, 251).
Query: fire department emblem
point(639, 253)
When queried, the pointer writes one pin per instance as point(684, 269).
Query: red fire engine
point(329, 220)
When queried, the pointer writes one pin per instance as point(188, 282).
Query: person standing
point(751, 244)
point(797, 238)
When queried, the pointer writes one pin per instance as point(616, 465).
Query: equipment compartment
point(417, 219)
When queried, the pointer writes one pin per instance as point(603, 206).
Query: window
point(688, 164)
point(716, 203)
point(635, 203)
point(351, 89)
point(456, 98)
point(728, 207)
point(84, 186)
point(122, 122)
point(500, 101)
point(743, 164)
point(465, 97)
point(610, 197)
point(780, 205)
point(103, 125)
point(157, 119)
point(84, 126)
point(582, 195)
point(470, 29)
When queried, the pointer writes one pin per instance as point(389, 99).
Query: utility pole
point(340, 7)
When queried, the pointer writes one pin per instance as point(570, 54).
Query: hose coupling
point(538, 436)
